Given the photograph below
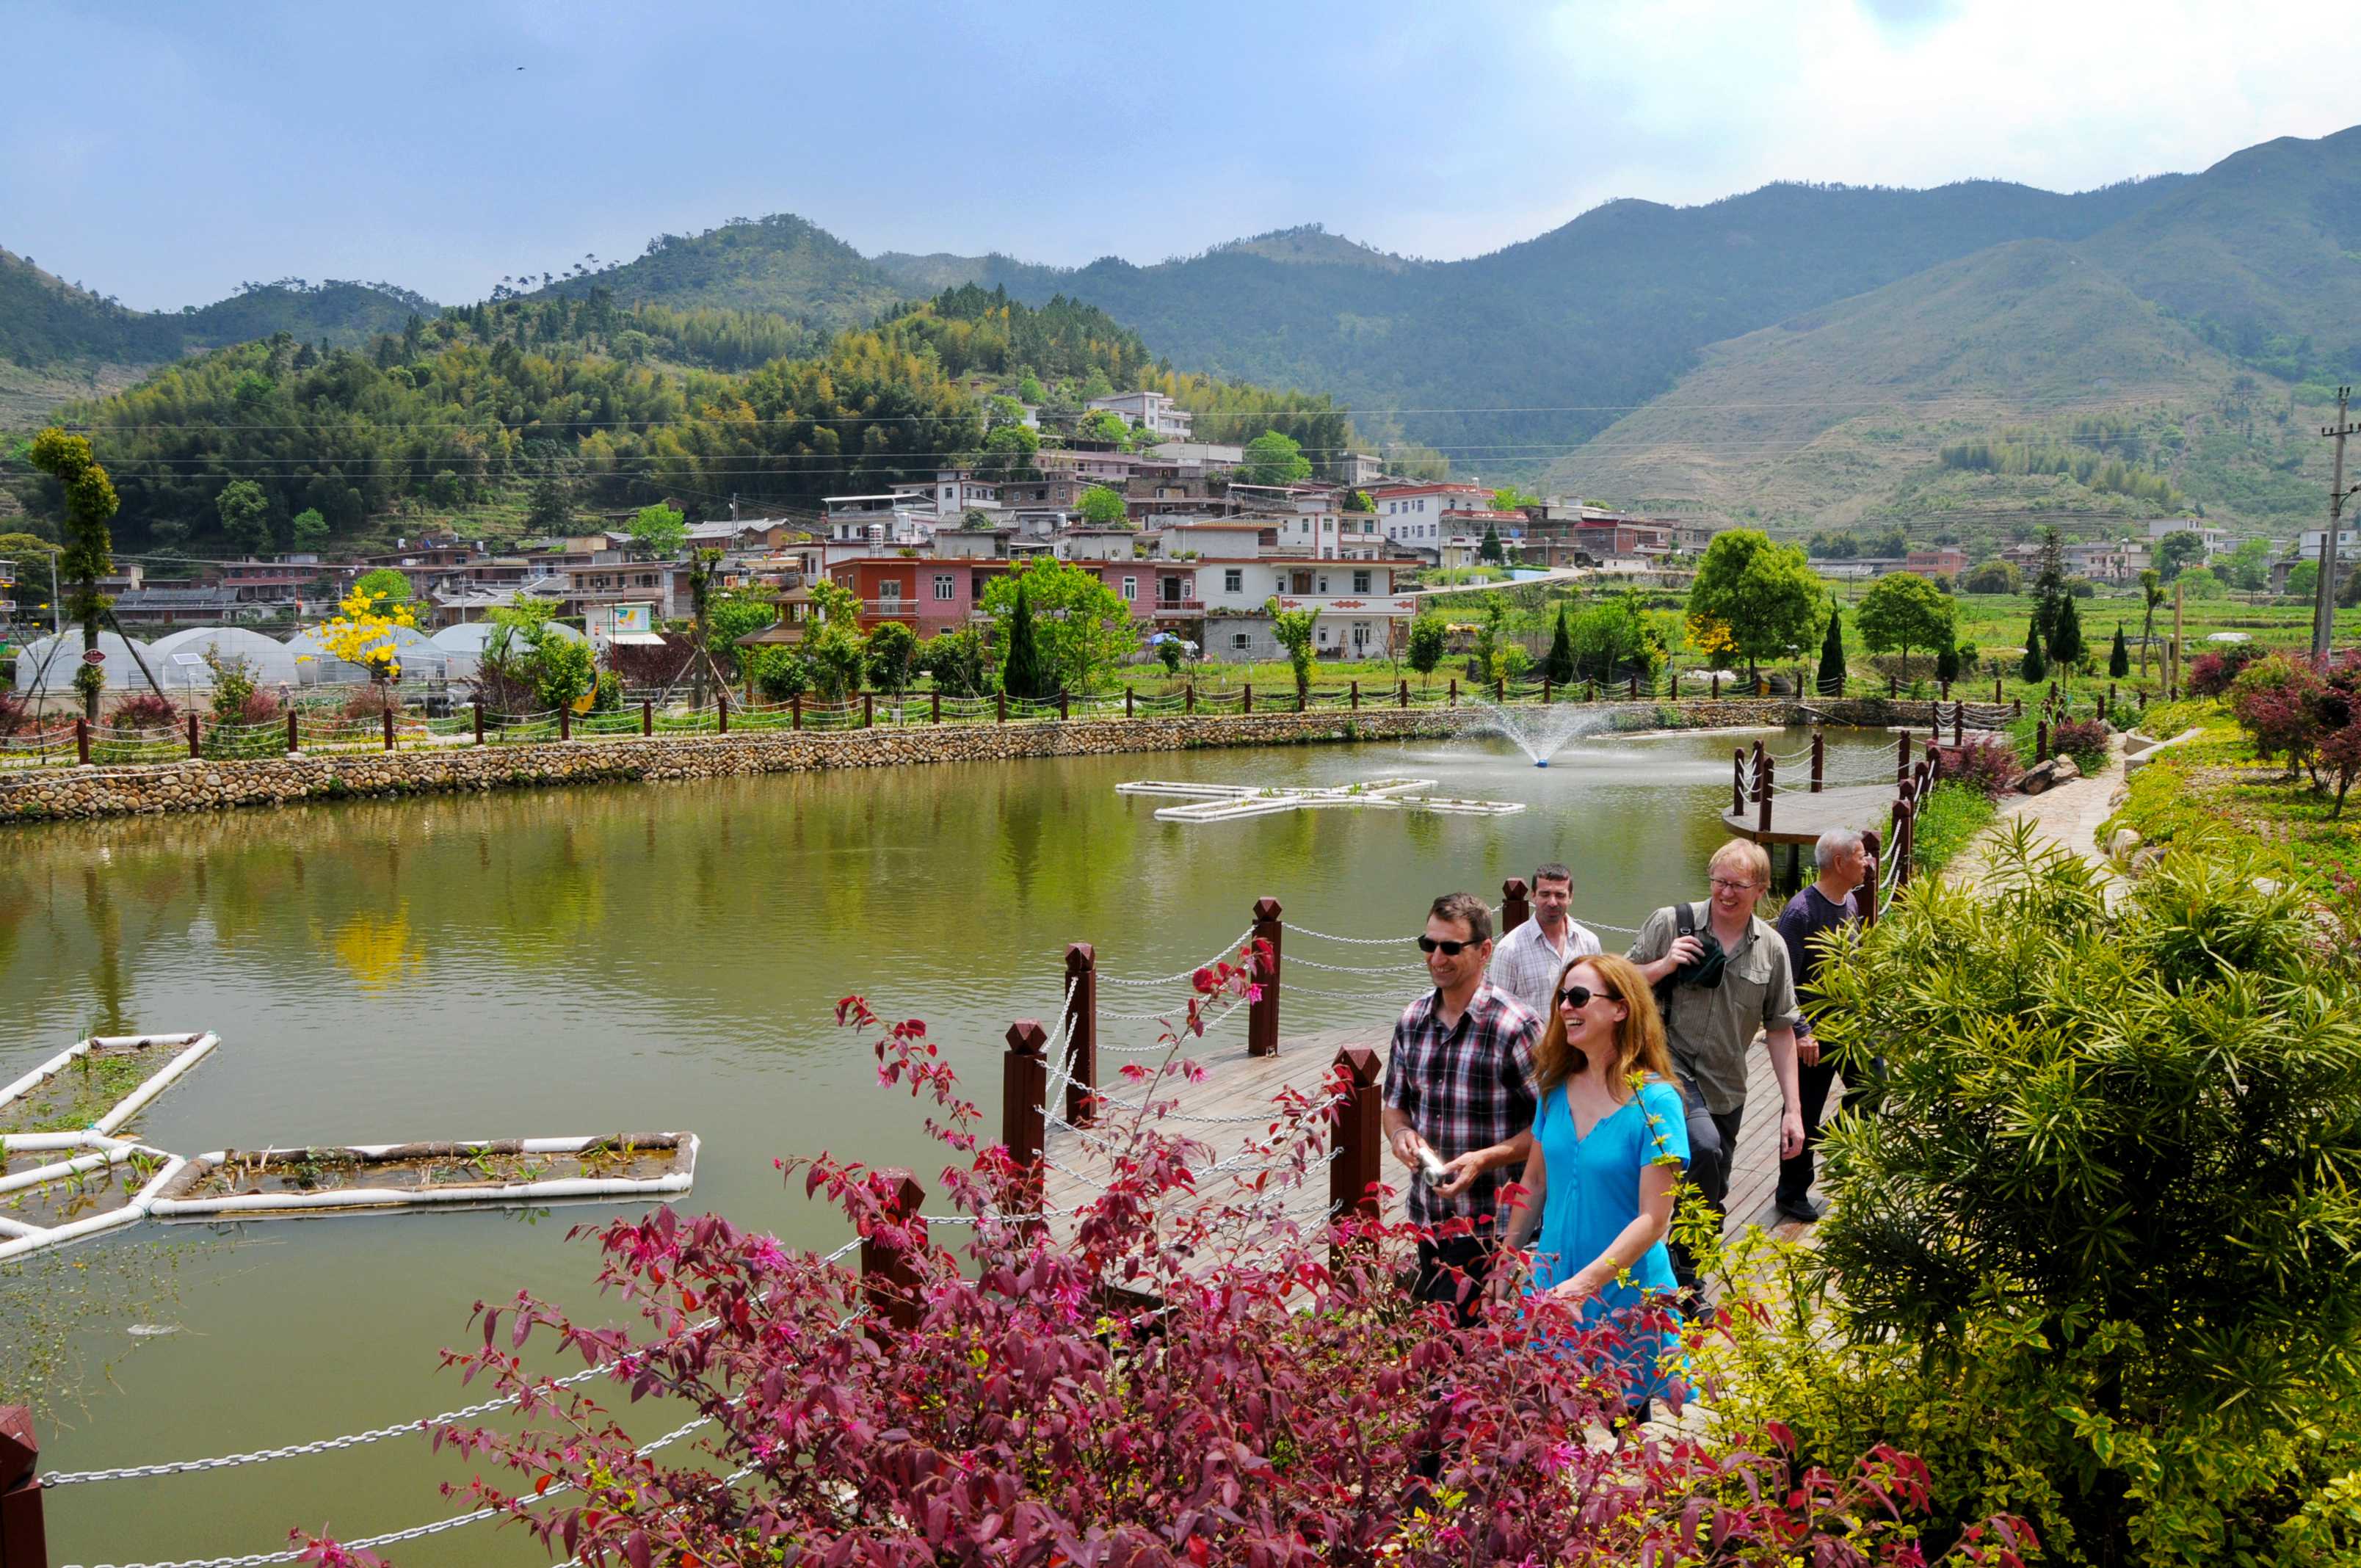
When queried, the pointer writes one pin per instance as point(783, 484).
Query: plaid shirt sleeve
point(1402, 1082)
point(1517, 1073)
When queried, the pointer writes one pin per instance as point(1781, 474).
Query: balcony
point(890, 609)
point(1177, 608)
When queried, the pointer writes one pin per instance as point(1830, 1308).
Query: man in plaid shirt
point(1459, 1082)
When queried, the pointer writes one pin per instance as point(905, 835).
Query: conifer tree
point(1558, 666)
point(1490, 549)
point(2119, 661)
point(2033, 668)
point(1832, 656)
point(1947, 663)
point(89, 552)
point(2066, 635)
point(1024, 675)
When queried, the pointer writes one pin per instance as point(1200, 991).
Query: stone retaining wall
point(207, 785)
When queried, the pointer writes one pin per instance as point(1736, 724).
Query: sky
point(164, 153)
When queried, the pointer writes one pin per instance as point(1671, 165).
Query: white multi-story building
point(1413, 515)
point(1151, 412)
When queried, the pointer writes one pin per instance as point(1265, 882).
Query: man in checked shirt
point(1459, 1084)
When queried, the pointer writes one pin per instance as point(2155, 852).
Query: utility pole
point(2324, 608)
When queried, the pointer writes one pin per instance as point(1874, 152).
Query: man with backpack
point(1721, 973)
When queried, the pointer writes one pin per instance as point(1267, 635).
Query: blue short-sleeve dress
point(1594, 1192)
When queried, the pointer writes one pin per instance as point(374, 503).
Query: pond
point(667, 957)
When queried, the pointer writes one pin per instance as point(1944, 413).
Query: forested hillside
point(779, 264)
point(47, 322)
point(618, 406)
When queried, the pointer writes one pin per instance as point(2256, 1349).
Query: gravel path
point(2068, 815)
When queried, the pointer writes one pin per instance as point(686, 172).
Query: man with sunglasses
point(1459, 1086)
point(1715, 997)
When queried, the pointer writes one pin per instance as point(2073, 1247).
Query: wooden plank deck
point(1240, 1086)
point(1799, 817)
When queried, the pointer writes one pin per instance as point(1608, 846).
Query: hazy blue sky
point(165, 153)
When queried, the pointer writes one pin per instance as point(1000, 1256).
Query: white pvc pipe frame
point(21, 1238)
point(195, 1047)
point(391, 1198)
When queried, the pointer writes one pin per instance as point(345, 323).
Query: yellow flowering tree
point(363, 634)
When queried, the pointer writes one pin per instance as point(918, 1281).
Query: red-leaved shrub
point(1987, 764)
point(2210, 675)
point(1179, 1375)
point(2340, 753)
point(2277, 702)
point(368, 701)
point(143, 710)
point(15, 713)
point(2085, 740)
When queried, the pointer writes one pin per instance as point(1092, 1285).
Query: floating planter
point(98, 1085)
point(1227, 803)
point(98, 1190)
point(396, 1175)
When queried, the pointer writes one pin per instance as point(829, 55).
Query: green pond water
point(622, 958)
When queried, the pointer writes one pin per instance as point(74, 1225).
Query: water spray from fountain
point(1539, 732)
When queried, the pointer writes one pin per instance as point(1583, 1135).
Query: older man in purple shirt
point(1826, 904)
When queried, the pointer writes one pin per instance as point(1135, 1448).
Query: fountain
point(1539, 732)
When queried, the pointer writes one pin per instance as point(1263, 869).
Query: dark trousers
point(1795, 1174)
point(1452, 1272)
point(1713, 1139)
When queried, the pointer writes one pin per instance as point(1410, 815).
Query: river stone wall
point(208, 786)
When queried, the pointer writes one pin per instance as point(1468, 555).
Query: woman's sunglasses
point(1579, 997)
point(1448, 949)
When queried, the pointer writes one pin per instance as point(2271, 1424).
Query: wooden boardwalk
point(1243, 1087)
point(1799, 817)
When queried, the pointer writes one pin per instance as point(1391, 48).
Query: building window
point(1234, 581)
point(1360, 582)
point(890, 589)
point(1130, 589)
point(1239, 639)
point(946, 587)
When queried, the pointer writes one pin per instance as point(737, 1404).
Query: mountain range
point(1799, 353)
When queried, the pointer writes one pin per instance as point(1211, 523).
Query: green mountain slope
point(48, 325)
point(778, 264)
point(1840, 414)
point(2266, 243)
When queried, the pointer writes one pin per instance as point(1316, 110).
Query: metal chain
point(1344, 968)
point(1229, 948)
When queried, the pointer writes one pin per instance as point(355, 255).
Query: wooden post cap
point(19, 1449)
point(1027, 1038)
point(1080, 956)
point(1265, 909)
point(1361, 1062)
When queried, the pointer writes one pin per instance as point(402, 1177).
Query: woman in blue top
point(1610, 1140)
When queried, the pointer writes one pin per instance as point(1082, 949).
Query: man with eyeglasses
point(1459, 1090)
point(1528, 961)
point(1721, 973)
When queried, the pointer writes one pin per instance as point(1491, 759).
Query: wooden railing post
point(1303, 697)
point(889, 1281)
point(647, 715)
point(195, 750)
point(1545, 691)
point(2040, 741)
point(1737, 780)
point(1717, 686)
point(1819, 757)
point(1770, 778)
point(869, 708)
point(1081, 1033)
point(294, 736)
point(1401, 695)
point(1899, 840)
point(81, 741)
point(1356, 1137)
point(1002, 695)
point(1500, 688)
point(1865, 896)
point(1901, 758)
point(1061, 704)
point(720, 712)
point(1262, 1014)
point(935, 711)
point(1023, 1108)
point(1189, 699)
point(1454, 691)
point(1126, 699)
point(1356, 696)
point(1516, 907)
point(1759, 769)
point(1959, 722)
point(387, 713)
point(1631, 688)
point(23, 1542)
point(565, 721)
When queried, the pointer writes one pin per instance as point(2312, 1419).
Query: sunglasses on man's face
point(1448, 949)
point(1580, 996)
